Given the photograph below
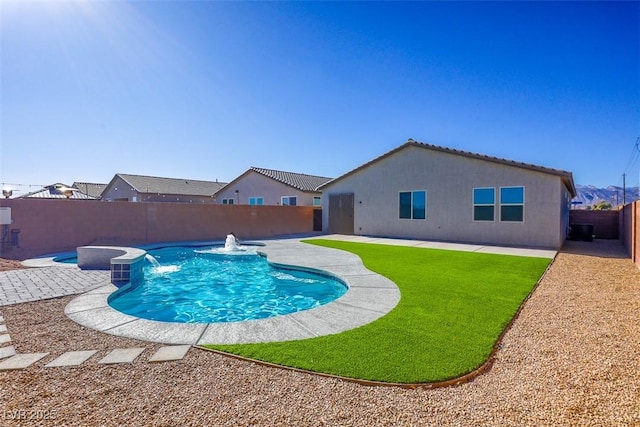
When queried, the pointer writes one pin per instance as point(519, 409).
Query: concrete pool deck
point(370, 296)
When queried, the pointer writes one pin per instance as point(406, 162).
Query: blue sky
point(204, 90)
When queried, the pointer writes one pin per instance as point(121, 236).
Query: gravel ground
point(572, 357)
point(9, 264)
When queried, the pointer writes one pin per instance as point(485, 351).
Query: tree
point(602, 206)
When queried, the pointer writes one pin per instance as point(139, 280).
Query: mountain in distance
point(590, 195)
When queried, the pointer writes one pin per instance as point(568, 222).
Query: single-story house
point(90, 188)
point(427, 192)
point(140, 188)
point(258, 186)
point(58, 191)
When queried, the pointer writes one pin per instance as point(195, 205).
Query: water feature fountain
point(231, 244)
point(159, 268)
point(152, 260)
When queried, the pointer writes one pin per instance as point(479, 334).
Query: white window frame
point(474, 204)
point(426, 204)
point(513, 204)
point(318, 199)
point(288, 198)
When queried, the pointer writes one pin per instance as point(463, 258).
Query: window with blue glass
point(512, 204)
point(256, 201)
point(484, 204)
point(413, 204)
point(317, 201)
point(289, 200)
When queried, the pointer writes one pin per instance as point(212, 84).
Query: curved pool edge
point(369, 297)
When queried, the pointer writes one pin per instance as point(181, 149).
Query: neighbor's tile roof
point(56, 191)
point(90, 188)
point(567, 177)
point(158, 185)
point(299, 181)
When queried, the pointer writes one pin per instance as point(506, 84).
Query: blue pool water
point(206, 285)
point(67, 259)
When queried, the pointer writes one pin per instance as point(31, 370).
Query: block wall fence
point(605, 223)
point(626, 219)
point(630, 230)
point(49, 226)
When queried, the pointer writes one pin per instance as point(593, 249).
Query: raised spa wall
point(125, 263)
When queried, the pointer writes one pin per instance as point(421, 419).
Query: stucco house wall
point(449, 180)
point(119, 190)
point(253, 184)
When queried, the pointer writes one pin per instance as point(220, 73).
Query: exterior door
point(341, 213)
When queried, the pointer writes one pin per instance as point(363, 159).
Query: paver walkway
point(10, 360)
point(35, 284)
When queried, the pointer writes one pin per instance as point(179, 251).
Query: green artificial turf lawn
point(453, 307)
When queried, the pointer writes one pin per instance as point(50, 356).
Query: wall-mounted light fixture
point(7, 192)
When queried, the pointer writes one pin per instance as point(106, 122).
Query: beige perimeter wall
point(48, 226)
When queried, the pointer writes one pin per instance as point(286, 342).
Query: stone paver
point(71, 358)
point(7, 352)
point(34, 284)
point(122, 355)
point(171, 352)
point(3, 328)
point(5, 338)
point(21, 361)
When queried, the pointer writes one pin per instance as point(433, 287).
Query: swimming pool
point(210, 285)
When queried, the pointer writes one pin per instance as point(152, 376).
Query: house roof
point(90, 188)
point(158, 185)
point(57, 191)
point(567, 177)
point(300, 181)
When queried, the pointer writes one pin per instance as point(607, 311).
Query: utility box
point(5, 216)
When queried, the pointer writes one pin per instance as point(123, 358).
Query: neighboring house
point(57, 191)
point(427, 192)
point(259, 186)
point(90, 188)
point(140, 188)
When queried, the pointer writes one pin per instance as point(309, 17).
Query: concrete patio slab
point(161, 332)
point(7, 352)
point(86, 302)
point(122, 355)
point(169, 353)
point(71, 358)
point(106, 289)
point(281, 328)
point(102, 318)
point(452, 246)
point(21, 361)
